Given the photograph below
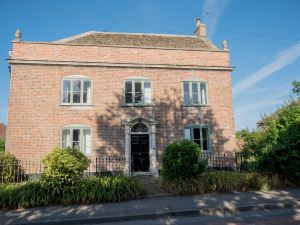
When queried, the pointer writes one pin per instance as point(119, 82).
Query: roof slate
point(139, 40)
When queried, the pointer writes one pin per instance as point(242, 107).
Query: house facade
point(120, 95)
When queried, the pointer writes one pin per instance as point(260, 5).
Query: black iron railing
point(23, 170)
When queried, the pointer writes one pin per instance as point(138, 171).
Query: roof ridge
point(77, 36)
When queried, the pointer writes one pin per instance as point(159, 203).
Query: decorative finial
point(18, 35)
point(225, 45)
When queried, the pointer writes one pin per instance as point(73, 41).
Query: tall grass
point(224, 181)
point(86, 191)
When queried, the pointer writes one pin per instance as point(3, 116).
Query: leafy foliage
point(223, 181)
point(275, 144)
point(64, 166)
point(2, 146)
point(296, 88)
point(86, 191)
point(9, 167)
point(181, 160)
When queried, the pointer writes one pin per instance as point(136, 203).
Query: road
point(288, 216)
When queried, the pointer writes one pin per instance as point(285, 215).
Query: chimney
point(200, 29)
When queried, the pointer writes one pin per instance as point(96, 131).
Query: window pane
point(147, 89)
point(128, 92)
point(203, 93)
point(195, 93)
point(205, 140)
point(87, 141)
point(66, 91)
point(138, 92)
point(128, 86)
point(86, 91)
point(65, 140)
point(196, 134)
point(128, 98)
point(76, 91)
point(186, 93)
point(187, 133)
point(76, 138)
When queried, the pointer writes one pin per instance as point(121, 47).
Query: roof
point(139, 40)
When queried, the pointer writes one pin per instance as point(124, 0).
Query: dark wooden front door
point(139, 152)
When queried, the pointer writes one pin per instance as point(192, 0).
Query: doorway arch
point(140, 145)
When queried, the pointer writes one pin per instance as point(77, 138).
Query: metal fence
point(19, 171)
point(23, 170)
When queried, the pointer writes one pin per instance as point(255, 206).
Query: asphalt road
point(288, 216)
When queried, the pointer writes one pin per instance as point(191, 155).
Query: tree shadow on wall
point(167, 109)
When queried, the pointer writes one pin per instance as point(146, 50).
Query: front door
point(139, 152)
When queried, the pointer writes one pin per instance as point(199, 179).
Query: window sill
point(194, 105)
point(137, 105)
point(87, 105)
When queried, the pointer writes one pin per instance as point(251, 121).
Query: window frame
point(133, 81)
point(191, 132)
point(82, 79)
point(199, 82)
point(81, 138)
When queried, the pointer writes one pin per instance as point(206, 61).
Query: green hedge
point(181, 159)
point(86, 191)
point(224, 181)
point(64, 166)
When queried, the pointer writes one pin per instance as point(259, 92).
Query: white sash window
point(200, 135)
point(138, 92)
point(194, 93)
point(76, 90)
point(77, 137)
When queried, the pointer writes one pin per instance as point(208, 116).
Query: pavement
point(155, 207)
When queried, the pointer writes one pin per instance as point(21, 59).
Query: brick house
point(120, 95)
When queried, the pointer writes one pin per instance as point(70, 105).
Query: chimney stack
point(200, 29)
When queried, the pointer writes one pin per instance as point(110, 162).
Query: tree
point(296, 88)
point(275, 143)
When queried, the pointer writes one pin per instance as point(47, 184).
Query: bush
point(64, 166)
point(9, 167)
point(224, 181)
point(181, 159)
point(86, 191)
point(2, 146)
point(275, 144)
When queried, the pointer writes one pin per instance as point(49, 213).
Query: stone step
point(152, 185)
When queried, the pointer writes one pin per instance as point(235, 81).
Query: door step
point(152, 185)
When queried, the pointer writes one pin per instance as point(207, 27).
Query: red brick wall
point(36, 117)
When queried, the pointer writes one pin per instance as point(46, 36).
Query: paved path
point(212, 204)
point(288, 216)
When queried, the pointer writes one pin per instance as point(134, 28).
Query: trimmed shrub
point(64, 166)
point(87, 190)
point(181, 159)
point(9, 167)
point(224, 181)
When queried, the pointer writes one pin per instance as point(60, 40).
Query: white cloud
point(282, 60)
point(211, 12)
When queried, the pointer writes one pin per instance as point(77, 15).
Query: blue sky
point(263, 36)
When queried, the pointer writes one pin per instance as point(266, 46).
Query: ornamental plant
point(64, 166)
point(181, 159)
